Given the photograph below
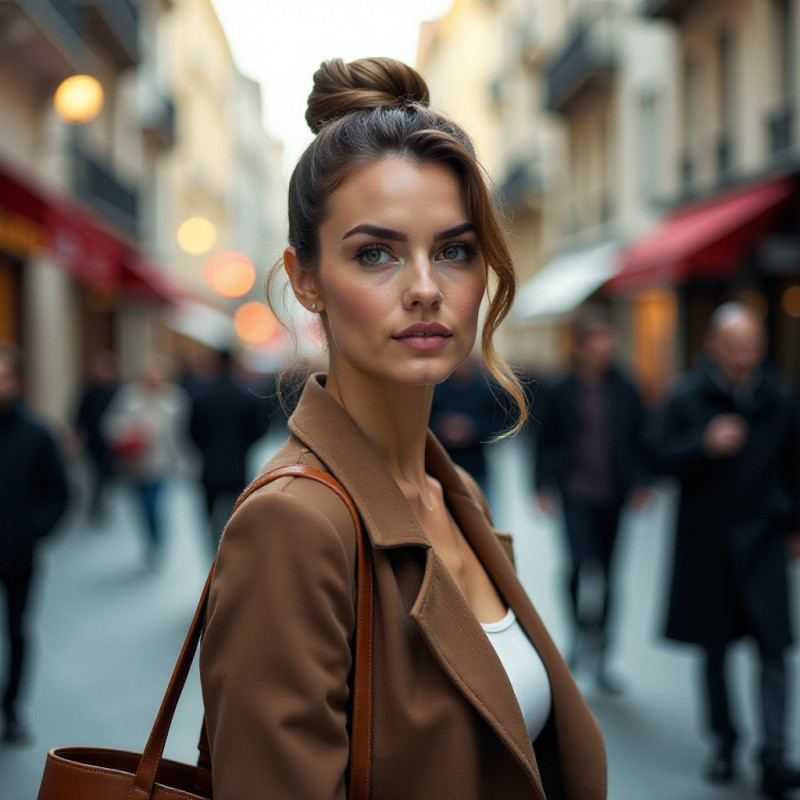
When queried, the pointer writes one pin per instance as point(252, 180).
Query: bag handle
point(361, 728)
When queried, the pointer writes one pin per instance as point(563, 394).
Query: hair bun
point(363, 84)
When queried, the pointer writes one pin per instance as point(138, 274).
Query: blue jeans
point(149, 496)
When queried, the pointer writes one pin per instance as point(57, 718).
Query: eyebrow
point(396, 236)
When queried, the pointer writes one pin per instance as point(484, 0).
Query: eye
point(374, 255)
point(457, 252)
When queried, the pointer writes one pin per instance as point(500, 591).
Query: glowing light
point(255, 323)
point(790, 301)
point(230, 274)
point(78, 99)
point(197, 235)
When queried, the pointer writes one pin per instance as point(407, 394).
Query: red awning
point(704, 239)
point(144, 280)
point(94, 253)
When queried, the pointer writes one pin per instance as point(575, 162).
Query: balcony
point(666, 9)
point(39, 43)
point(99, 187)
point(523, 186)
point(116, 24)
point(158, 118)
point(587, 63)
point(780, 130)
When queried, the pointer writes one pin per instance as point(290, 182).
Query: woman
point(393, 239)
point(146, 428)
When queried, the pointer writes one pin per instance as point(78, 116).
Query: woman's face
point(400, 277)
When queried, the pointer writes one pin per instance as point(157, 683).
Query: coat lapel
point(440, 612)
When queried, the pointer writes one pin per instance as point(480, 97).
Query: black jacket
point(559, 419)
point(225, 422)
point(730, 568)
point(33, 486)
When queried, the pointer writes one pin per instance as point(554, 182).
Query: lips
point(424, 329)
point(424, 336)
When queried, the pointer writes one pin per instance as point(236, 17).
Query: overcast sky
point(280, 43)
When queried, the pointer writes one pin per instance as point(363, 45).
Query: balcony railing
point(99, 187)
point(523, 186)
point(780, 130)
point(588, 61)
point(116, 23)
point(158, 119)
point(44, 47)
point(667, 9)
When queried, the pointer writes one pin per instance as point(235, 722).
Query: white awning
point(563, 284)
point(202, 323)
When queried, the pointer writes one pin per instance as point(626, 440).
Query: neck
point(393, 418)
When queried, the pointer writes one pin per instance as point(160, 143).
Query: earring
point(313, 306)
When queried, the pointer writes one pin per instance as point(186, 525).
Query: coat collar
point(440, 612)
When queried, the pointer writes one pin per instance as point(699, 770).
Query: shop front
point(738, 245)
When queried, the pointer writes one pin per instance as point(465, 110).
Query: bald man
point(730, 437)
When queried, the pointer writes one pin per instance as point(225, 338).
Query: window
point(785, 46)
point(649, 149)
point(727, 97)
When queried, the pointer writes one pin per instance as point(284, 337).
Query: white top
point(525, 670)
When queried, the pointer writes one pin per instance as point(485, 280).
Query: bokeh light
point(197, 235)
point(790, 301)
point(78, 99)
point(230, 274)
point(255, 323)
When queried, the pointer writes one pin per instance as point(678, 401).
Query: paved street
point(108, 632)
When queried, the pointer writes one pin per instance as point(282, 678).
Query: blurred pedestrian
point(590, 455)
point(394, 239)
point(95, 397)
point(146, 426)
point(226, 420)
point(729, 435)
point(464, 416)
point(33, 497)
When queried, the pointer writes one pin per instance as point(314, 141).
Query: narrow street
point(107, 633)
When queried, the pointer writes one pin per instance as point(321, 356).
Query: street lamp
point(78, 99)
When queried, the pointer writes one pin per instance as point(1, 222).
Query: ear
point(304, 284)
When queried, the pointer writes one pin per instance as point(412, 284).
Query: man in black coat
point(729, 435)
point(99, 390)
point(464, 415)
point(33, 496)
point(590, 453)
point(225, 422)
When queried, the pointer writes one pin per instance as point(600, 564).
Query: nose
point(423, 290)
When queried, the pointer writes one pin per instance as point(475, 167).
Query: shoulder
point(294, 512)
point(35, 428)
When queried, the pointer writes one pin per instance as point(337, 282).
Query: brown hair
point(377, 107)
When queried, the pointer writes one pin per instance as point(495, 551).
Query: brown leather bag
point(99, 773)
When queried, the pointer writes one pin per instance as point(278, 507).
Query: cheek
point(467, 300)
point(352, 305)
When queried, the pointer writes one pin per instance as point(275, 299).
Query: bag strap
point(361, 727)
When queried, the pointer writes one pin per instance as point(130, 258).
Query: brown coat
point(276, 655)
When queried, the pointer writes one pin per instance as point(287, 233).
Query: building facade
point(648, 153)
point(89, 210)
